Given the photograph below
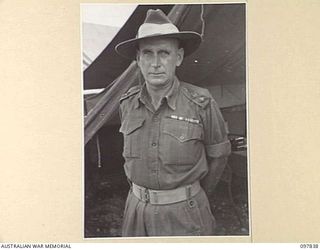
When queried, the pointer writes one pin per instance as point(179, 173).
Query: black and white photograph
point(136, 122)
point(165, 120)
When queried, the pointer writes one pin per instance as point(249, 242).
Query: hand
point(216, 168)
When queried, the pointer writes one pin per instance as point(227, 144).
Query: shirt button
point(154, 144)
point(181, 137)
point(191, 203)
point(156, 119)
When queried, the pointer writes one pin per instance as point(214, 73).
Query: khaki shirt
point(169, 147)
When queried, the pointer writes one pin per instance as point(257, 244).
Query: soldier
point(175, 140)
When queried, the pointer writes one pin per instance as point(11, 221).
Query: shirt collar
point(171, 96)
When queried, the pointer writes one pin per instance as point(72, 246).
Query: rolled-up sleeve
point(215, 132)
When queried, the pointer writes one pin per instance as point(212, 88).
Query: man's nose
point(155, 61)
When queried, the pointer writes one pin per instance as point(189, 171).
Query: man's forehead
point(158, 41)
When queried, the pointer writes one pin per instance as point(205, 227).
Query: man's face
point(158, 59)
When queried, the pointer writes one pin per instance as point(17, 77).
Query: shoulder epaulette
point(132, 91)
point(198, 95)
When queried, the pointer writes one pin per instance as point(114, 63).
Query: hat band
point(149, 29)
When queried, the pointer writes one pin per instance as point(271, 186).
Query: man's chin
point(157, 82)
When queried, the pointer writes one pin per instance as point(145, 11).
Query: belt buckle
point(146, 195)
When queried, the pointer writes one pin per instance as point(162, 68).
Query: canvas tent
point(219, 63)
point(95, 37)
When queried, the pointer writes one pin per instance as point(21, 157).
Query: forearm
point(216, 167)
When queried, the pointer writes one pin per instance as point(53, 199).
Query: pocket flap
point(182, 131)
point(130, 125)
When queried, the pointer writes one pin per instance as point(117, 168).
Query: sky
point(107, 14)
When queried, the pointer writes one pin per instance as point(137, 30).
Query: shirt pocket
point(131, 130)
point(181, 142)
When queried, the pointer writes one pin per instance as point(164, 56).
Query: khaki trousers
point(187, 218)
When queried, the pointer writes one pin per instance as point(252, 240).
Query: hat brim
point(189, 41)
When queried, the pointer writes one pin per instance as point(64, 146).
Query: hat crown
point(156, 23)
point(157, 17)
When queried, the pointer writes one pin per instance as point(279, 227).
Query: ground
point(104, 205)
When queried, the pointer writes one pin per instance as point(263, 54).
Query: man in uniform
point(175, 140)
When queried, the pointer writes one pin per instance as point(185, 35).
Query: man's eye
point(146, 53)
point(164, 53)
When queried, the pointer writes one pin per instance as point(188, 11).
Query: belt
point(161, 197)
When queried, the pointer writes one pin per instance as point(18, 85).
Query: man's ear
point(180, 55)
